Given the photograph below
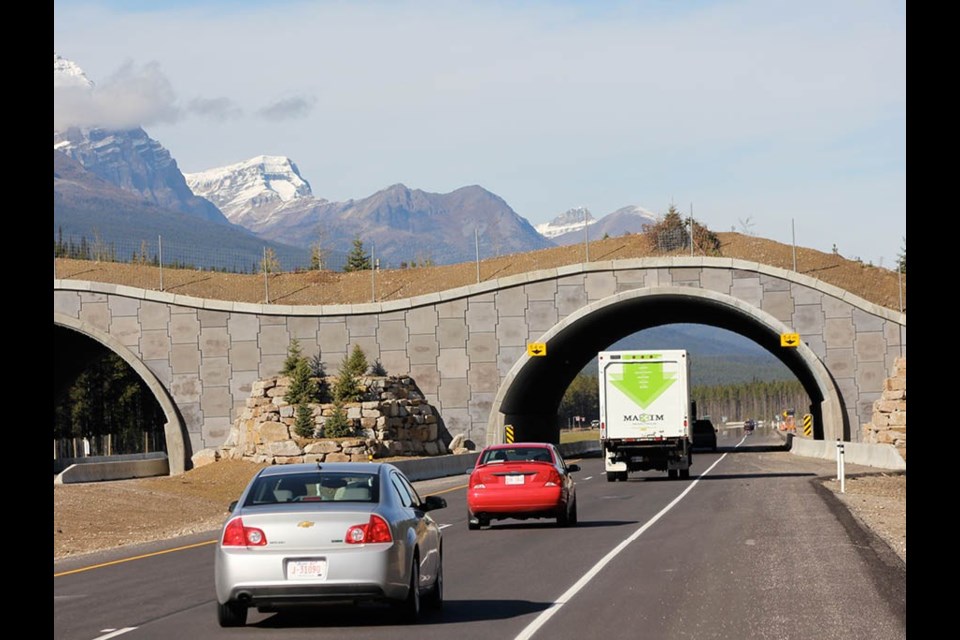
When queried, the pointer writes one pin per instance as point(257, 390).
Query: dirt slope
point(881, 286)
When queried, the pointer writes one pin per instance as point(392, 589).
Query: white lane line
point(540, 620)
point(588, 477)
point(114, 634)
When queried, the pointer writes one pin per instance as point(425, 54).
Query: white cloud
point(727, 104)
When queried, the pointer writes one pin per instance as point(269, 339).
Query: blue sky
point(778, 119)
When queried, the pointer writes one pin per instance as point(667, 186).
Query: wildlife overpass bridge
point(466, 348)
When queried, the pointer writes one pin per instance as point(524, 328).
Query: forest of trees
point(110, 407)
point(759, 400)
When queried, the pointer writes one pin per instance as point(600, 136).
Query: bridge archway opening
point(530, 396)
point(77, 346)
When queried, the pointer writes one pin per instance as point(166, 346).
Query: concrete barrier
point(882, 456)
point(114, 470)
point(98, 470)
point(436, 467)
point(454, 465)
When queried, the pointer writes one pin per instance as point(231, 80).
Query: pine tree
point(902, 257)
point(358, 259)
point(377, 368)
point(338, 425)
point(318, 370)
point(357, 362)
point(345, 387)
point(302, 388)
point(294, 356)
point(304, 425)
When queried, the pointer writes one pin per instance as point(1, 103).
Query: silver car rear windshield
point(315, 486)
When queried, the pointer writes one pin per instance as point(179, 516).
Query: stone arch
point(174, 427)
point(531, 391)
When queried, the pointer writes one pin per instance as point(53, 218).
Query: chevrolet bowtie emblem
point(306, 524)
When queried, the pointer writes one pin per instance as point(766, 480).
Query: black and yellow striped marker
point(508, 433)
point(807, 425)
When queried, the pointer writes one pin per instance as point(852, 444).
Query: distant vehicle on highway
point(521, 480)
point(749, 425)
point(704, 435)
point(305, 534)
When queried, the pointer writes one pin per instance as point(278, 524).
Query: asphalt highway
point(746, 548)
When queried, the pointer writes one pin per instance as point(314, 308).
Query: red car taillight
point(553, 479)
point(237, 535)
point(376, 530)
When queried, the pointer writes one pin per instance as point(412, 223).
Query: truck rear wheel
point(612, 476)
point(672, 474)
point(684, 474)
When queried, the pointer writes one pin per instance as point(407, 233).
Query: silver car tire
point(411, 605)
point(231, 614)
point(435, 598)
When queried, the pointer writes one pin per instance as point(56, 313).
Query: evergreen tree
point(304, 425)
point(377, 368)
point(902, 257)
point(346, 388)
point(357, 361)
point(318, 370)
point(358, 259)
point(670, 233)
point(338, 425)
point(294, 356)
point(317, 367)
point(302, 388)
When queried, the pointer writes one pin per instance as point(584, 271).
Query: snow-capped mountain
point(267, 198)
point(565, 229)
point(255, 192)
point(129, 158)
point(570, 220)
point(68, 74)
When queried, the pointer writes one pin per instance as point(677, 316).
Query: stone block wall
point(393, 420)
point(889, 421)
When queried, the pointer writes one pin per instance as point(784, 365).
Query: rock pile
point(393, 420)
point(889, 421)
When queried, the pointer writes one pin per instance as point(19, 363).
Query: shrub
point(346, 388)
point(304, 425)
point(303, 388)
point(377, 369)
point(294, 356)
point(338, 425)
point(356, 363)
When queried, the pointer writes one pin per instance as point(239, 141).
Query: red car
point(521, 480)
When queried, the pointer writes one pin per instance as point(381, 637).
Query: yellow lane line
point(140, 557)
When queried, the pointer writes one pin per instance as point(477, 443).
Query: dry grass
point(874, 284)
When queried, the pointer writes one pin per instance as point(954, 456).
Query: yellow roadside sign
point(789, 339)
point(536, 348)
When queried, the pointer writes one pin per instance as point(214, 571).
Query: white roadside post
point(840, 469)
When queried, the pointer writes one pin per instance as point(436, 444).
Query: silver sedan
point(312, 533)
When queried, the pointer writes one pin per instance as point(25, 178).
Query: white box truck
point(646, 413)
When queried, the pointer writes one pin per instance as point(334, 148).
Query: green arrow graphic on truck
point(643, 382)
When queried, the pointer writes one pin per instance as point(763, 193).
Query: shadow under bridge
point(530, 396)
